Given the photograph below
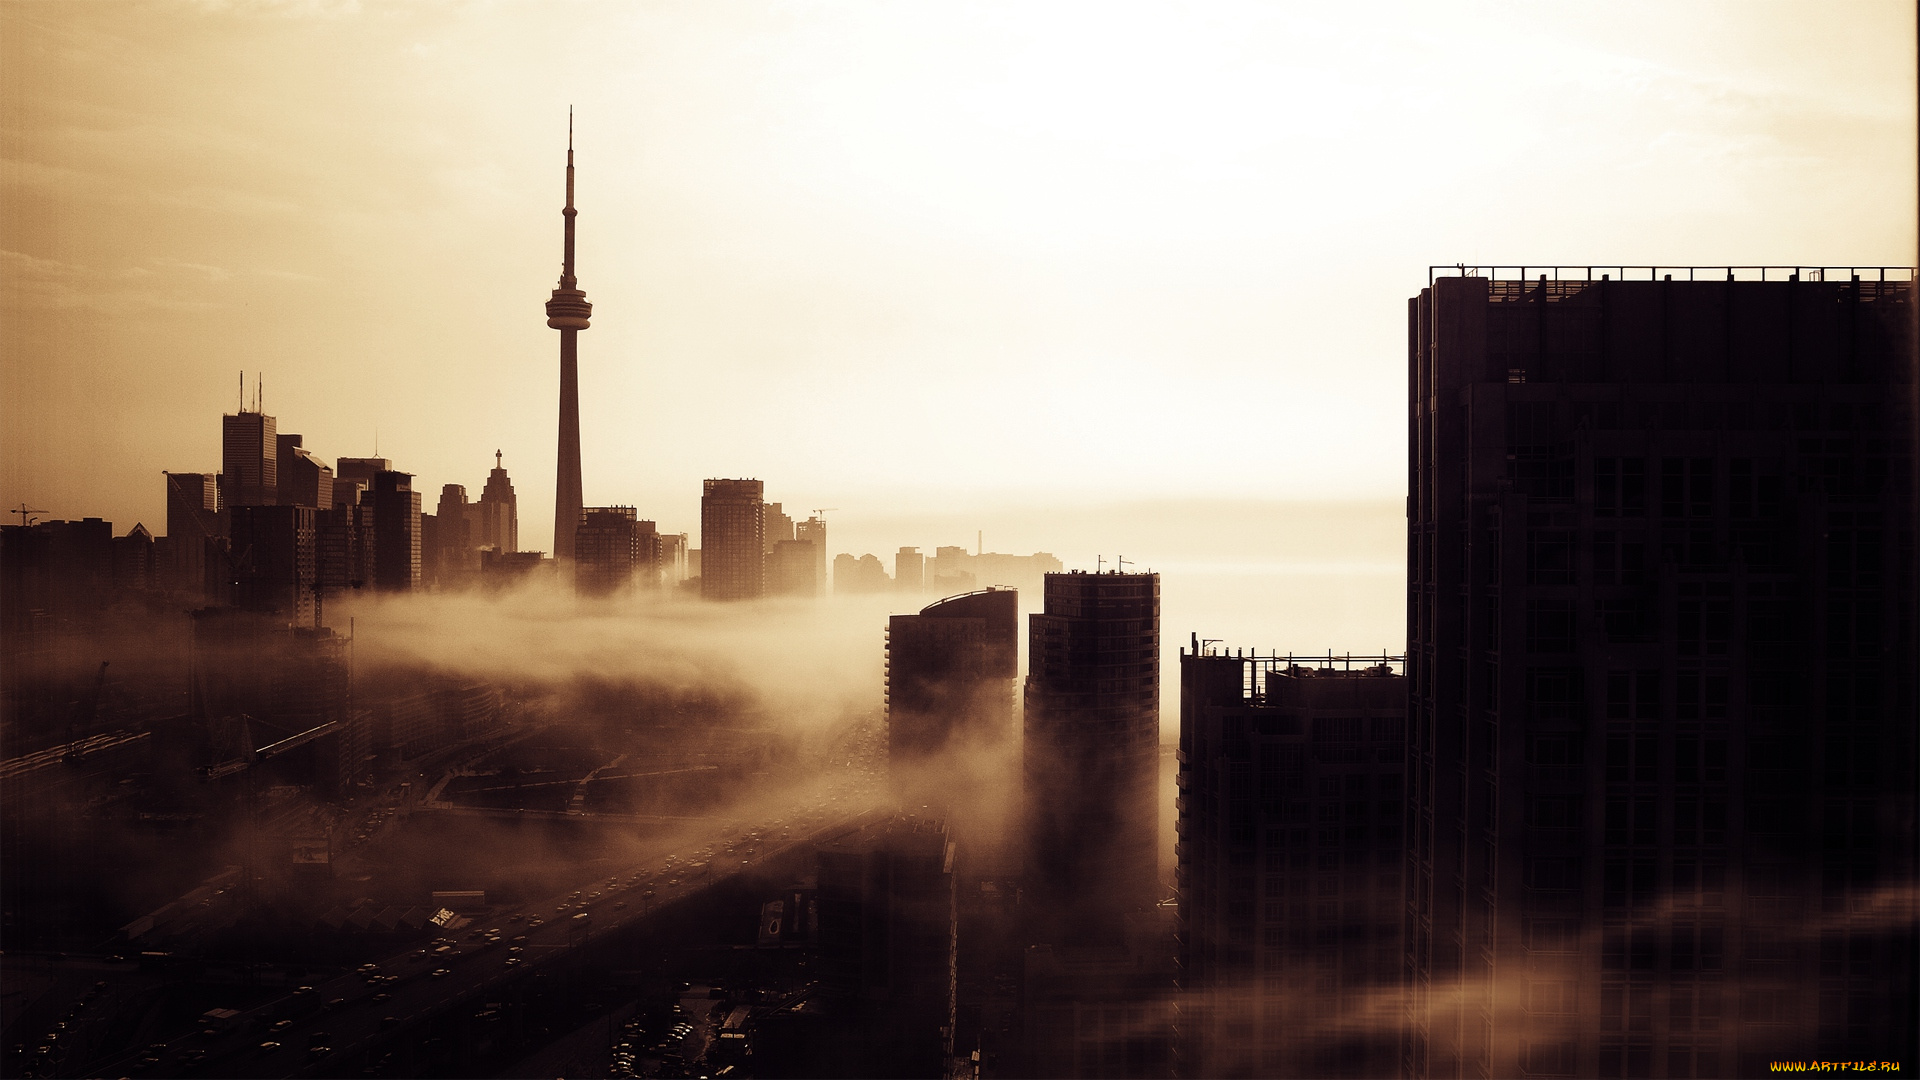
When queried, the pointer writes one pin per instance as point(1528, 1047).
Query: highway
point(300, 1032)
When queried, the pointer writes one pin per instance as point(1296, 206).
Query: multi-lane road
point(300, 1032)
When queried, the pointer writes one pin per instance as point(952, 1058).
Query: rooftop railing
point(1509, 272)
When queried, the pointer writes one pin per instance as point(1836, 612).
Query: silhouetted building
point(194, 547)
point(950, 672)
point(303, 479)
point(671, 557)
point(136, 565)
point(361, 469)
point(814, 531)
point(497, 514)
point(55, 570)
point(732, 540)
point(1103, 1012)
point(275, 561)
point(610, 549)
point(249, 460)
point(778, 525)
point(450, 556)
point(396, 531)
point(862, 575)
point(1290, 824)
point(909, 570)
point(1661, 622)
point(887, 947)
point(791, 569)
point(568, 312)
point(1092, 753)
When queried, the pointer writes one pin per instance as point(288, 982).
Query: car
point(280, 1026)
point(439, 973)
point(269, 1046)
point(511, 961)
point(336, 1004)
point(380, 997)
point(304, 991)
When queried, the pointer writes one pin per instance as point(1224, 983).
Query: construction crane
point(26, 513)
point(822, 510)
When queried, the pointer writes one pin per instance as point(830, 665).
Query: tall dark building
point(396, 531)
point(950, 672)
point(1290, 813)
point(1661, 748)
point(1092, 747)
point(275, 561)
point(249, 459)
point(303, 479)
point(732, 540)
point(568, 312)
point(886, 909)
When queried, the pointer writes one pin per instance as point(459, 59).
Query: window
point(1549, 625)
point(1549, 557)
point(1553, 811)
point(1552, 873)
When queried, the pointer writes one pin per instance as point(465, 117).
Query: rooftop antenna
point(1099, 561)
point(243, 391)
point(496, 459)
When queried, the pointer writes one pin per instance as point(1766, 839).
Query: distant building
point(909, 570)
point(862, 575)
point(497, 515)
point(732, 540)
point(671, 558)
point(814, 531)
point(1291, 804)
point(348, 469)
point(303, 479)
point(779, 526)
point(135, 562)
point(610, 549)
point(275, 561)
point(396, 525)
point(1092, 754)
point(792, 568)
point(192, 556)
point(249, 460)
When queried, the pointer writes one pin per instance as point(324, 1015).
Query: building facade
point(1092, 737)
point(1660, 611)
point(1290, 804)
point(733, 533)
point(611, 550)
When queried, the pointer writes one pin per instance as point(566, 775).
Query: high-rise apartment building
point(792, 567)
point(1661, 656)
point(950, 672)
point(611, 547)
point(814, 531)
point(909, 570)
point(249, 459)
point(732, 540)
point(1290, 810)
point(1092, 753)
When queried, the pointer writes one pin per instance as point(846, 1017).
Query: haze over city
point(1063, 539)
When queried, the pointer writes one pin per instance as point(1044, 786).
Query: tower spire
point(568, 312)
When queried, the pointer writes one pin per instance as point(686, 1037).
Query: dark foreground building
point(1092, 755)
point(1660, 610)
point(1291, 800)
point(950, 672)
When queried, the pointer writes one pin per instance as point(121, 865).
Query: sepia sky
point(889, 255)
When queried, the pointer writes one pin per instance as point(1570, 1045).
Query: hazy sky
point(896, 256)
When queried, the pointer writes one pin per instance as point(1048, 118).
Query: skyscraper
point(1661, 747)
point(1291, 785)
point(814, 531)
point(249, 459)
point(497, 512)
point(1092, 753)
point(396, 531)
point(732, 540)
point(303, 479)
point(568, 312)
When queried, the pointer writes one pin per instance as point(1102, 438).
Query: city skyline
point(1704, 139)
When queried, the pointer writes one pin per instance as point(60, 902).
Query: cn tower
point(568, 312)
